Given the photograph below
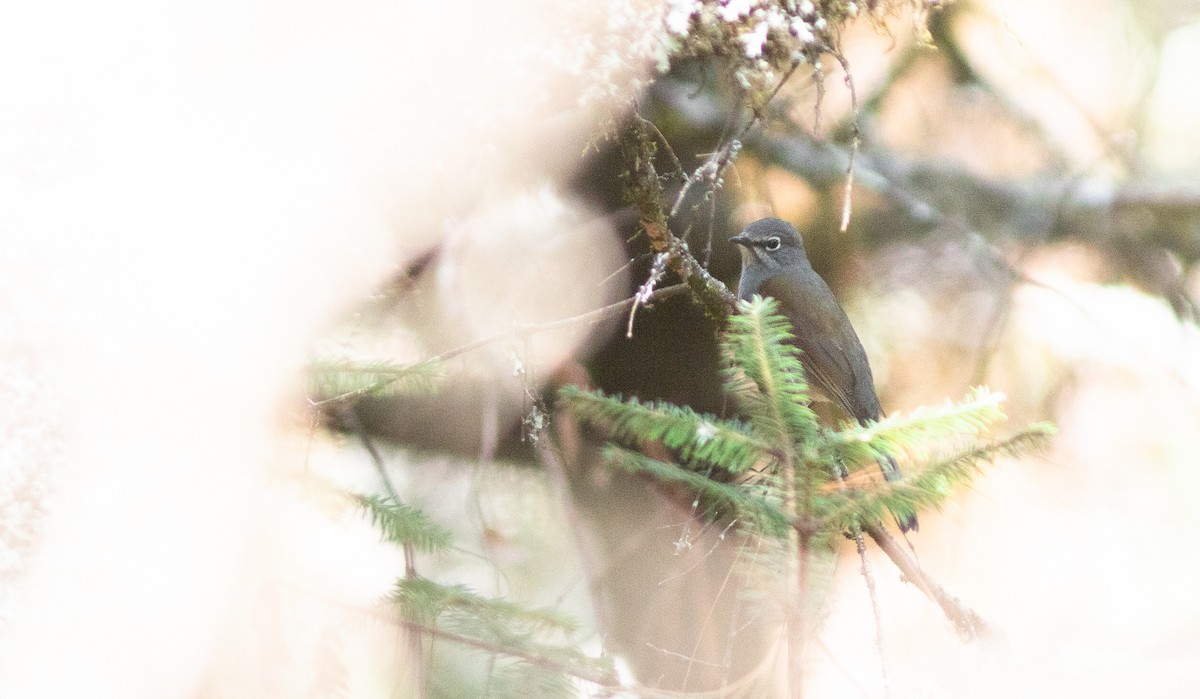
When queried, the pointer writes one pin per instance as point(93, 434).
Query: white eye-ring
point(773, 243)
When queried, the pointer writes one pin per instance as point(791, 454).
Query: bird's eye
point(772, 244)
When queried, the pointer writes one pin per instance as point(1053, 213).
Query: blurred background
point(197, 201)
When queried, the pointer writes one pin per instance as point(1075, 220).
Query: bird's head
point(771, 242)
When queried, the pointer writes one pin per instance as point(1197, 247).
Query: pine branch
point(757, 343)
point(404, 524)
point(521, 680)
point(931, 486)
point(342, 379)
point(423, 599)
point(695, 437)
point(789, 462)
point(921, 430)
point(499, 627)
point(751, 505)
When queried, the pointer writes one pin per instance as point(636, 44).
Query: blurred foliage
point(529, 651)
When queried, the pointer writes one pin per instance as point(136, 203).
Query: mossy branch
point(644, 188)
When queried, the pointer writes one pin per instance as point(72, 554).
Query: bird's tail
point(891, 472)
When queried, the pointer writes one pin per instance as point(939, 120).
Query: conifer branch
point(497, 626)
point(750, 505)
point(920, 430)
point(404, 524)
point(777, 403)
point(788, 462)
point(413, 642)
point(573, 667)
point(929, 487)
point(757, 343)
point(342, 379)
point(696, 438)
point(423, 599)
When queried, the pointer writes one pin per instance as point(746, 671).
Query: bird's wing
point(833, 356)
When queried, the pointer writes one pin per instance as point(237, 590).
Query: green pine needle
point(697, 439)
point(931, 486)
point(403, 524)
point(922, 431)
point(778, 395)
point(421, 599)
point(974, 414)
point(343, 378)
point(523, 680)
point(539, 638)
point(745, 502)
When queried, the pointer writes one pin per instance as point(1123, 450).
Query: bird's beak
point(741, 239)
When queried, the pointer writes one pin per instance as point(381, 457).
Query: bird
point(774, 264)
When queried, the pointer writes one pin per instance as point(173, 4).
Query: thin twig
point(682, 656)
point(708, 618)
point(646, 191)
point(605, 680)
point(646, 290)
point(865, 569)
point(583, 544)
point(714, 166)
point(869, 578)
point(819, 80)
point(415, 638)
point(679, 171)
point(854, 140)
point(593, 317)
point(350, 419)
point(712, 224)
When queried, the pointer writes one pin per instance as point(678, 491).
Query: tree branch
point(968, 624)
point(646, 191)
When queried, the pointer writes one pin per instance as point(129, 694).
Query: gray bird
point(774, 264)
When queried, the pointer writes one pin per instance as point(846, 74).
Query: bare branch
point(968, 624)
